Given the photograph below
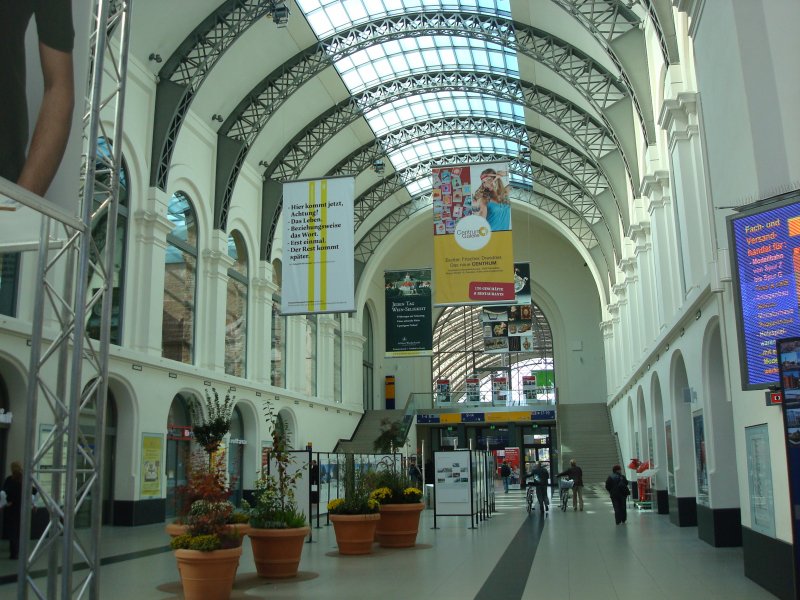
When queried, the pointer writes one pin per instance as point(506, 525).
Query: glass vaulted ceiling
point(416, 54)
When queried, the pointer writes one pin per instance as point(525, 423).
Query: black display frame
point(762, 206)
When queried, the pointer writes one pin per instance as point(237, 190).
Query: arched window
point(180, 281)
point(311, 355)
point(102, 183)
point(278, 346)
point(337, 358)
point(459, 350)
point(236, 308)
point(367, 363)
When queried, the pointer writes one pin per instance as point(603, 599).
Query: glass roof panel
point(397, 58)
point(327, 17)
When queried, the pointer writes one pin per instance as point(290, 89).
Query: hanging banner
point(529, 386)
point(522, 284)
point(442, 390)
point(473, 388)
point(152, 448)
point(66, 30)
point(499, 389)
point(409, 328)
point(318, 264)
point(507, 328)
point(472, 245)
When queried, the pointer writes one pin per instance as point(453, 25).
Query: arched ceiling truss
point(571, 162)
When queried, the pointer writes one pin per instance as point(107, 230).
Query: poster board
point(453, 483)
point(151, 461)
point(701, 464)
point(407, 297)
point(759, 480)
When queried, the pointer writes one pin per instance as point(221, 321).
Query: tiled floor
point(581, 556)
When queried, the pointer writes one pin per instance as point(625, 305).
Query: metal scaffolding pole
point(64, 467)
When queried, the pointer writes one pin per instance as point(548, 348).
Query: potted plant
point(400, 508)
point(208, 553)
point(277, 527)
point(355, 516)
point(211, 426)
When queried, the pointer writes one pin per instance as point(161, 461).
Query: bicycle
point(529, 492)
point(564, 486)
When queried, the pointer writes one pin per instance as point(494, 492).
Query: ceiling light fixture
point(280, 15)
point(378, 165)
point(217, 118)
point(154, 57)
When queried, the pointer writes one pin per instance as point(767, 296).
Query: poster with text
point(152, 447)
point(453, 482)
point(700, 457)
point(473, 388)
point(318, 259)
point(759, 479)
point(409, 329)
point(670, 458)
point(472, 244)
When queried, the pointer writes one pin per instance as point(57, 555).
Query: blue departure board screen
point(765, 250)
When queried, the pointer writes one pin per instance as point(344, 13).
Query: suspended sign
point(409, 329)
point(318, 265)
point(472, 245)
point(529, 386)
point(473, 388)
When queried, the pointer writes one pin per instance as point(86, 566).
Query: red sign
point(774, 398)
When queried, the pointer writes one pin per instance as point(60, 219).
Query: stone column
point(259, 330)
point(145, 274)
point(212, 296)
point(665, 245)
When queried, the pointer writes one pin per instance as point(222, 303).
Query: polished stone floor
point(512, 555)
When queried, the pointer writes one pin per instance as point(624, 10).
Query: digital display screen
point(765, 248)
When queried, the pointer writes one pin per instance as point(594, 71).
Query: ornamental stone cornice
point(217, 263)
point(678, 117)
point(627, 266)
point(263, 288)
point(607, 328)
point(153, 227)
point(656, 187)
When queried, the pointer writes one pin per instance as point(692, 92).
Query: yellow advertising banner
point(472, 245)
point(152, 448)
point(509, 416)
point(450, 418)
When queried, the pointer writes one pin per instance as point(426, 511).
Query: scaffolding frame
point(64, 467)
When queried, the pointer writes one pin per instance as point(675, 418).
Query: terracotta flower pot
point(176, 529)
point(208, 575)
point(276, 552)
point(399, 525)
point(355, 533)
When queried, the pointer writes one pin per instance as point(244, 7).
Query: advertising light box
point(765, 252)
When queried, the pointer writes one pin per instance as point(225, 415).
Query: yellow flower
point(335, 503)
point(373, 504)
point(381, 495)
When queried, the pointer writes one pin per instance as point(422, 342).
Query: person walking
point(575, 473)
point(12, 512)
point(617, 487)
point(414, 474)
point(505, 473)
point(541, 479)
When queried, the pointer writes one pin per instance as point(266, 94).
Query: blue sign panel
point(472, 417)
point(423, 418)
point(543, 415)
point(767, 269)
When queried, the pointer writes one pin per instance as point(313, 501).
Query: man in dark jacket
point(617, 487)
point(541, 478)
point(576, 474)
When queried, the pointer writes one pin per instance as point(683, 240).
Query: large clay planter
point(176, 529)
point(208, 575)
point(399, 525)
point(355, 533)
point(276, 552)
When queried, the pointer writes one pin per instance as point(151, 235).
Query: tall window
point(337, 358)
point(236, 308)
point(367, 364)
point(180, 281)
point(311, 355)
point(102, 183)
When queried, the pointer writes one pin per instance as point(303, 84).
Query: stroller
point(565, 484)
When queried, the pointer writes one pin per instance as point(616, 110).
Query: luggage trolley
point(565, 484)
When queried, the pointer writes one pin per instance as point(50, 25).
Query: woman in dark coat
point(13, 510)
point(617, 486)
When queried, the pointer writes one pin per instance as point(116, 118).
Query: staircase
point(587, 436)
point(368, 428)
